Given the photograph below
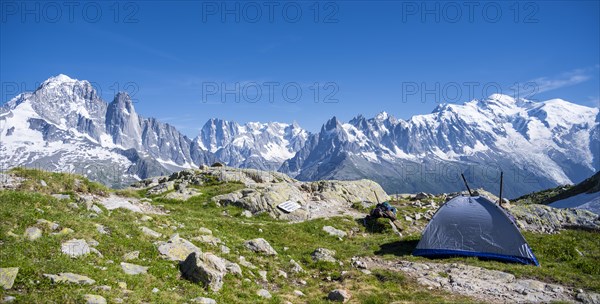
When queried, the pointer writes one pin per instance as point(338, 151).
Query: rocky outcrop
point(483, 284)
point(68, 277)
point(546, 219)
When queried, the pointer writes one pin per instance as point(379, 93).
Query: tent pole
point(465, 180)
point(501, 184)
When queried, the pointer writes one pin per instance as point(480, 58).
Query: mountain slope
point(537, 144)
point(65, 126)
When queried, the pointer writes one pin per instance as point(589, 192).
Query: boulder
point(339, 295)
point(8, 276)
point(206, 268)
point(176, 248)
point(68, 277)
point(323, 254)
point(133, 269)
point(260, 245)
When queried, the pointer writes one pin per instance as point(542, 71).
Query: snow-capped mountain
point(64, 125)
point(537, 144)
point(262, 146)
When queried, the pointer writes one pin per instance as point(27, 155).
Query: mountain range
point(65, 126)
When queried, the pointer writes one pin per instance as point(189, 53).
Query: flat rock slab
point(68, 277)
point(133, 269)
point(8, 276)
point(133, 204)
point(477, 282)
point(75, 247)
point(176, 248)
point(33, 233)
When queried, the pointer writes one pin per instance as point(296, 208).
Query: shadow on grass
point(398, 248)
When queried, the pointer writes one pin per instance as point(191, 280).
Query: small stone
point(263, 275)
point(101, 229)
point(339, 295)
point(96, 209)
point(94, 299)
point(323, 254)
point(33, 233)
point(247, 214)
point(133, 269)
point(150, 232)
point(8, 299)
point(103, 288)
point(7, 277)
point(334, 232)
point(155, 290)
point(68, 277)
point(43, 183)
point(131, 255)
point(264, 293)
point(118, 300)
point(298, 293)
point(296, 268)
point(205, 231)
point(177, 249)
point(75, 247)
point(225, 249)
point(282, 273)
point(50, 225)
point(73, 205)
point(146, 218)
point(202, 300)
point(61, 196)
point(260, 245)
point(122, 285)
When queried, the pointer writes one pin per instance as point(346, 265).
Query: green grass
point(21, 209)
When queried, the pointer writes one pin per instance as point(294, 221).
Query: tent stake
point(465, 180)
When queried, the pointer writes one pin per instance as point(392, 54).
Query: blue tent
point(474, 226)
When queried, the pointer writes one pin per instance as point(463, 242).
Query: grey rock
point(75, 247)
point(323, 254)
point(247, 214)
point(8, 276)
point(264, 293)
point(68, 277)
point(334, 232)
point(298, 293)
point(260, 245)
point(94, 299)
point(225, 249)
point(8, 299)
point(133, 269)
point(208, 239)
point(263, 275)
point(61, 196)
point(48, 224)
point(202, 300)
point(339, 295)
point(177, 248)
point(131, 255)
point(296, 268)
point(205, 231)
point(149, 232)
point(205, 268)
point(33, 233)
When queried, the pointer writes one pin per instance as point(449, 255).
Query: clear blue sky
point(372, 54)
